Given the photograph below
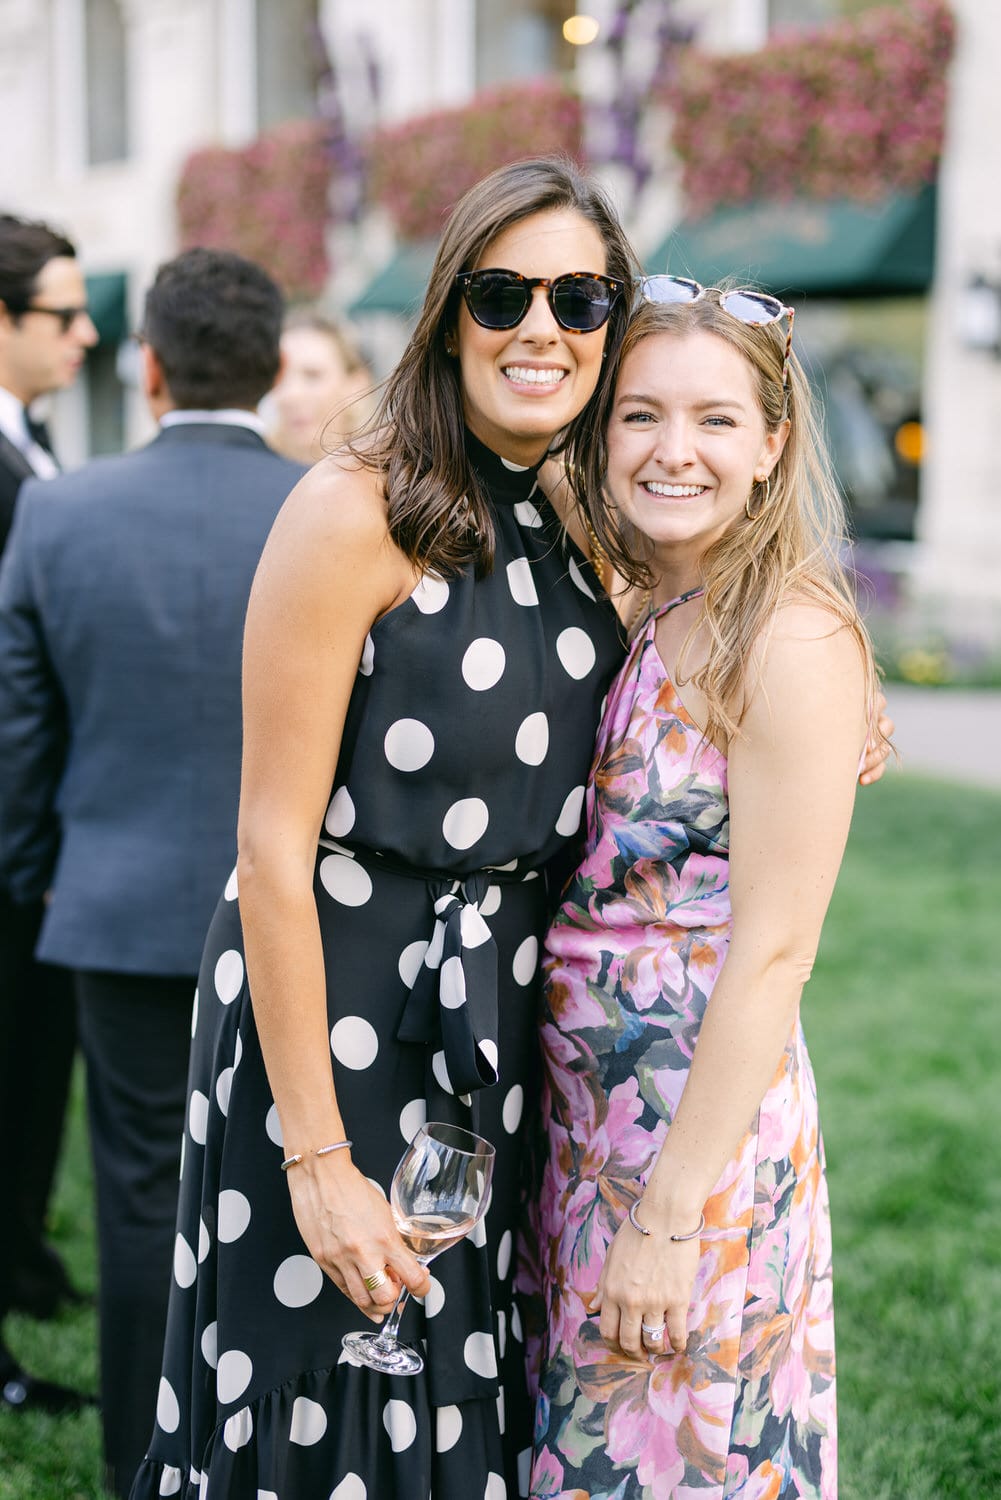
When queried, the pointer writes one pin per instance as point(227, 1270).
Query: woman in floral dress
point(686, 1349)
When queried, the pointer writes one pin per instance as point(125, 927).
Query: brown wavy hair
point(439, 514)
point(793, 546)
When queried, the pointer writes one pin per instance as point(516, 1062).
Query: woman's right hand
point(348, 1228)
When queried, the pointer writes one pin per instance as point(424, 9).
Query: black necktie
point(39, 433)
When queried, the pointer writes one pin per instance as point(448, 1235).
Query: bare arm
point(792, 779)
point(328, 571)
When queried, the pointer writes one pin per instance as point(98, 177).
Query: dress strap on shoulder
point(665, 609)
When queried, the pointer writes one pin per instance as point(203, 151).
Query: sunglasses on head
point(580, 301)
point(745, 304)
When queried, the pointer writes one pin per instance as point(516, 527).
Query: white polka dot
point(233, 1375)
point(440, 1071)
point(180, 1173)
point(309, 1422)
point(229, 976)
point(501, 1335)
point(504, 1255)
point(488, 1048)
point(410, 961)
point(448, 1428)
point(465, 822)
point(237, 1051)
point(194, 1014)
point(453, 983)
point(210, 1345)
point(238, 1430)
point(496, 1488)
point(478, 1234)
point(526, 961)
point(491, 901)
point(234, 1215)
point(203, 1486)
point(516, 1329)
point(340, 817)
point(527, 514)
point(198, 1116)
point(568, 821)
point(483, 664)
point(273, 1126)
point(168, 1413)
point(268, 1495)
point(401, 1424)
point(575, 650)
point(515, 468)
point(435, 1299)
point(412, 1117)
point(579, 579)
point(521, 583)
point(354, 1042)
point(524, 1470)
point(474, 930)
point(232, 889)
point(367, 663)
point(298, 1281)
point(351, 1487)
point(185, 1266)
point(223, 1089)
point(204, 1240)
point(430, 595)
point(344, 878)
point(408, 745)
point(531, 744)
point(501, 1419)
point(170, 1480)
point(513, 1106)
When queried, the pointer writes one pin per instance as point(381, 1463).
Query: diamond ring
point(653, 1330)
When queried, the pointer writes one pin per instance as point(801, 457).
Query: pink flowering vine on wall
point(267, 201)
point(417, 170)
point(855, 109)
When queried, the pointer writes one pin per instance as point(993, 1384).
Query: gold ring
point(373, 1282)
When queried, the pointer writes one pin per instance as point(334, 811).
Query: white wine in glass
point(439, 1192)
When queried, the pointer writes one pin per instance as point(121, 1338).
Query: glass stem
point(389, 1332)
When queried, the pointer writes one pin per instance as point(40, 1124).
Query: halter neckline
point(663, 609)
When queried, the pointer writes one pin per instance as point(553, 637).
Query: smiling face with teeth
point(686, 442)
point(522, 385)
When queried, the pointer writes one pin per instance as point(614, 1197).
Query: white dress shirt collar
point(14, 426)
point(230, 416)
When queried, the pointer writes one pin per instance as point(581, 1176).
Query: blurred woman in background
point(322, 397)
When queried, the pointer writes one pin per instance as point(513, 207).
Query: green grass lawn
point(903, 1017)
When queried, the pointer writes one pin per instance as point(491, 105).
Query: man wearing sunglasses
point(45, 333)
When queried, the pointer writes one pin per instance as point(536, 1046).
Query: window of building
point(521, 39)
point(290, 60)
point(106, 59)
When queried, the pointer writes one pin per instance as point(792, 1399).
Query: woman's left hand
point(646, 1279)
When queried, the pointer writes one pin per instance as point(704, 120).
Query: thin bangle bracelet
point(678, 1238)
point(293, 1161)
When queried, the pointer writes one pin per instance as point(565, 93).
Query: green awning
point(399, 287)
point(836, 248)
point(107, 303)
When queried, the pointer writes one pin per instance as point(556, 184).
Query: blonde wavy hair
point(792, 548)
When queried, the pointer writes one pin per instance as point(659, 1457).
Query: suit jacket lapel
point(12, 457)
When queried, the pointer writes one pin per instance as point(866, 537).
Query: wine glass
point(438, 1194)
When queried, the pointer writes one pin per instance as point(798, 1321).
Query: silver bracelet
point(677, 1238)
point(293, 1161)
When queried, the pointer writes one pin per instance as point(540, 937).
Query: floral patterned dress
point(748, 1409)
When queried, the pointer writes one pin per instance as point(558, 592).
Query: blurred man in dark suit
point(45, 332)
point(122, 598)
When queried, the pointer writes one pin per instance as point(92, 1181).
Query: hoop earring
point(762, 505)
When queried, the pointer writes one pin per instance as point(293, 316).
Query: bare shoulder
point(332, 536)
point(808, 660)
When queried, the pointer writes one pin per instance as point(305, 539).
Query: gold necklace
point(599, 562)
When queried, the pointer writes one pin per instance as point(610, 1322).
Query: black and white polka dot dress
point(465, 752)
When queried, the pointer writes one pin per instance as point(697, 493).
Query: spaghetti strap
point(665, 609)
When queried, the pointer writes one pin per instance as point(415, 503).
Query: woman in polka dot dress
point(426, 637)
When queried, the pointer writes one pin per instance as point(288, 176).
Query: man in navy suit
point(122, 597)
point(45, 332)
